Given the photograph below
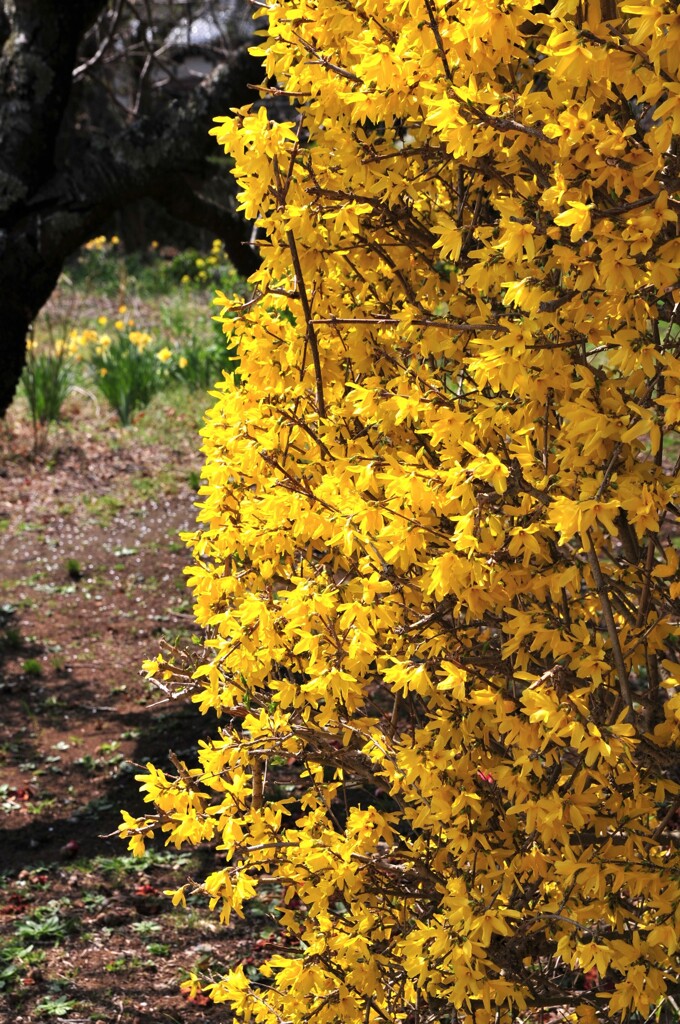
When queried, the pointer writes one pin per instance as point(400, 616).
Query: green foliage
point(15, 955)
point(180, 345)
point(45, 382)
point(128, 375)
point(102, 267)
point(47, 926)
point(56, 1006)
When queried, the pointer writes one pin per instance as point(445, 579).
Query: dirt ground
point(90, 581)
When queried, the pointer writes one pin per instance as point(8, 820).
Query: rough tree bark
point(59, 184)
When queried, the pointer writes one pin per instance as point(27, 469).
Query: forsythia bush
point(437, 556)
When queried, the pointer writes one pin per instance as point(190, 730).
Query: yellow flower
point(164, 355)
point(122, 309)
point(577, 217)
point(140, 339)
point(102, 321)
point(182, 362)
point(96, 244)
point(434, 554)
point(119, 325)
point(103, 371)
point(115, 240)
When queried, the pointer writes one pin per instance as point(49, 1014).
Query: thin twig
point(312, 339)
point(432, 17)
point(389, 321)
point(610, 623)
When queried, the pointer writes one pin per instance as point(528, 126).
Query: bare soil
point(90, 580)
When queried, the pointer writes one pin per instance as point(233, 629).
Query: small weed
point(145, 927)
point(117, 965)
point(94, 900)
point(32, 667)
point(117, 867)
point(88, 763)
point(44, 805)
point(158, 949)
point(10, 639)
point(14, 956)
point(123, 963)
point(56, 1006)
point(73, 569)
point(108, 748)
point(45, 927)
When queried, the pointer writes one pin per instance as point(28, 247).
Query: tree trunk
point(48, 206)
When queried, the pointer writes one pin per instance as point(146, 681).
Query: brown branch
point(508, 124)
point(312, 339)
point(324, 60)
point(617, 653)
point(103, 46)
point(432, 18)
point(257, 783)
point(388, 321)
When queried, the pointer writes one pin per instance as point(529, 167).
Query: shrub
point(436, 560)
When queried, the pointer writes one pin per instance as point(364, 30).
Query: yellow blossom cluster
point(216, 258)
point(437, 555)
point(102, 244)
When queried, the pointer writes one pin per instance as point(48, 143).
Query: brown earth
point(90, 581)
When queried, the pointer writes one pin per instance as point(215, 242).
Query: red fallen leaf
point(146, 889)
point(485, 776)
point(24, 793)
point(198, 998)
point(591, 979)
point(28, 980)
point(69, 850)
point(16, 905)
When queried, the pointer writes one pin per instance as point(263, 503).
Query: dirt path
point(90, 580)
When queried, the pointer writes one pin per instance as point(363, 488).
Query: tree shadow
point(41, 843)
